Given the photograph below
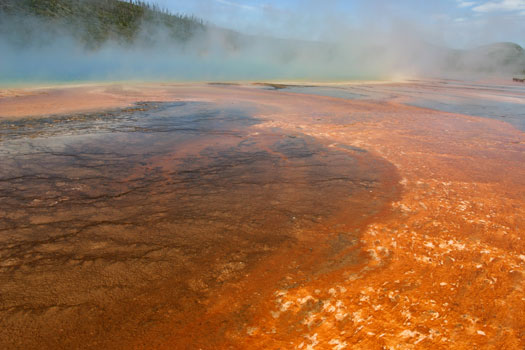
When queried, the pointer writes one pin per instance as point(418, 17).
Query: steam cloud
point(35, 50)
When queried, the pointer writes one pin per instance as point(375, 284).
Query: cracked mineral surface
point(244, 217)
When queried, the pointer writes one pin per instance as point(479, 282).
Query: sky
point(455, 23)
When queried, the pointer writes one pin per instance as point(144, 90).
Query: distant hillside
point(96, 21)
point(507, 57)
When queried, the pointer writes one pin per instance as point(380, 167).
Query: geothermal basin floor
point(171, 216)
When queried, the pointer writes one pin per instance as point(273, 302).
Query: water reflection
point(501, 102)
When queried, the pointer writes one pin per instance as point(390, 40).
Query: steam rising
point(33, 49)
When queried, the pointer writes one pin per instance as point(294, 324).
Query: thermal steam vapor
point(35, 50)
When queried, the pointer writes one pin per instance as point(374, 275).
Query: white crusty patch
point(286, 306)
point(408, 334)
point(338, 345)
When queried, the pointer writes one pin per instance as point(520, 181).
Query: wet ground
point(123, 224)
point(505, 102)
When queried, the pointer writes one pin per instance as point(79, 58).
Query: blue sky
point(457, 23)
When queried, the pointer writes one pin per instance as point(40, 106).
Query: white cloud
point(501, 5)
point(462, 3)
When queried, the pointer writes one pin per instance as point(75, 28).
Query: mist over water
point(36, 50)
point(215, 54)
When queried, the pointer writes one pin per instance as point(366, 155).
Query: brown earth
point(440, 266)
